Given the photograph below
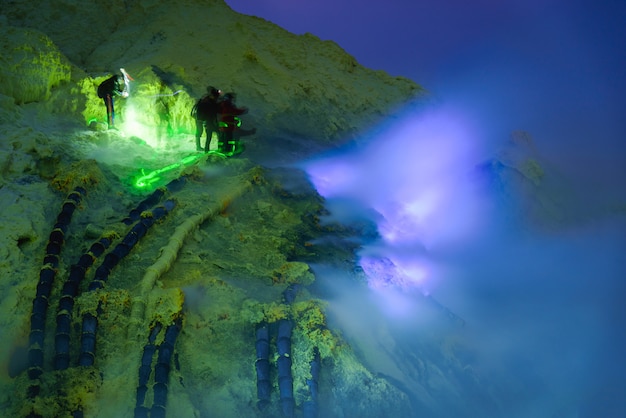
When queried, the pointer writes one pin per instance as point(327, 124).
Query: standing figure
point(229, 122)
point(205, 111)
point(163, 105)
point(117, 85)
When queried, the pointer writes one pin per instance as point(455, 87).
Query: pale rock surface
point(284, 79)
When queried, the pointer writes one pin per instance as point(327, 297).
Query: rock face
point(31, 65)
point(531, 190)
point(234, 236)
point(294, 85)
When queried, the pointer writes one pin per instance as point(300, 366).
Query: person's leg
point(108, 102)
point(112, 111)
point(221, 138)
point(209, 135)
point(199, 129)
point(228, 142)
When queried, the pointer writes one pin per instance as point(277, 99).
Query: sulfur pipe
point(161, 369)
point(262, 365)
point(310, 407)
point(88, 340)
point(154, 198)
point(145, 369)
point(44, 287)
point(283, 363)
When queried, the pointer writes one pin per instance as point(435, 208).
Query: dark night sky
point(554, 68)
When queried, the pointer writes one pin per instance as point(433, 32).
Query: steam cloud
point(540, 305)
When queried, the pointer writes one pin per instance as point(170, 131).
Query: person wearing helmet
point(205, 111)
point(229, 121)
point(107, 90)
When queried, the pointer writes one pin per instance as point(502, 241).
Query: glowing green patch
point(148, 178)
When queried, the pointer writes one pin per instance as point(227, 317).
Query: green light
point(190, 159)
point(225, 125)
point(146, 180)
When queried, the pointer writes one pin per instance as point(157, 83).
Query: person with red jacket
point(229, 122)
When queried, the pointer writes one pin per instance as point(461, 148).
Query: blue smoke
point(497, 233)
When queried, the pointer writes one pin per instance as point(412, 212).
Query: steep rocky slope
point(294, 85)
point(237, 237)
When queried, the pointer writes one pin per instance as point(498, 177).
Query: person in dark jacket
point(107, 90)
point(229, 122)
point(205, 111)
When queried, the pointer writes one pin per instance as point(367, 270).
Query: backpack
point(110, 86)
point(194, 109)
point(205, 109)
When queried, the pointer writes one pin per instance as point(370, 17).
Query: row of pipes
point(70, 290)
point(161, 370)
point(143, 219)
point(284, 329)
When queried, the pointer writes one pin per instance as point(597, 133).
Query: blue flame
point(414, 177)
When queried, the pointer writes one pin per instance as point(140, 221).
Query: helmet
point(213, 91)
